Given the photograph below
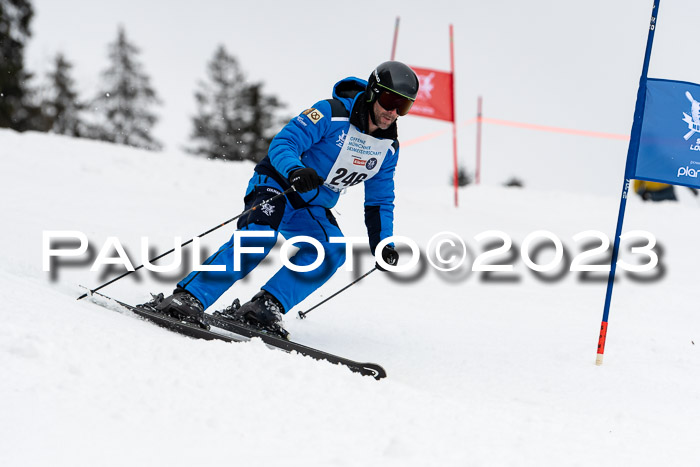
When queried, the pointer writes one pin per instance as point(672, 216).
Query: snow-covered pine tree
point(235, 120)
point(61, 103)
point(125, 99)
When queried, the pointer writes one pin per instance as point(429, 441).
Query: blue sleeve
point(379, 202)
point(303, 131)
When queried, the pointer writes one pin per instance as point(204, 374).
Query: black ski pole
point(302, 314)
point(288, 190)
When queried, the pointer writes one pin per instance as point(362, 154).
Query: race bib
point(360, 159)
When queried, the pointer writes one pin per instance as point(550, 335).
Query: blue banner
point(669, 142)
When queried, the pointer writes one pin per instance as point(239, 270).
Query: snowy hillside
point(483, 369)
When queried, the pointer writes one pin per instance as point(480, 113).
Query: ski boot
point(181, 305)
point(262, 312)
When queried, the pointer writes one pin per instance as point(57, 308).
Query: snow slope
point(481, 371)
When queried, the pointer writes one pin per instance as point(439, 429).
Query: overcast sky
point(564, 63)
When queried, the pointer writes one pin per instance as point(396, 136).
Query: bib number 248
point(343, 179)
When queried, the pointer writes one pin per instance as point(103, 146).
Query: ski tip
point(88, 293)
point(373, 370)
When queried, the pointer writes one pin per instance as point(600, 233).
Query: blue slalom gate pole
point(630, 167)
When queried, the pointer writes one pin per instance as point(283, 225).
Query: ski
point(181, 327)
point(242, 333)
point(367, 369)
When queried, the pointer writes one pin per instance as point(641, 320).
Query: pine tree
point(464, 178)
point(124, 102)
point(263, 124)
point(235, 120)
point(61, 105)
point(16, 107)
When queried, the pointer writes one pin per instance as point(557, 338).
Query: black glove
point(390, 257)
point(305, 179)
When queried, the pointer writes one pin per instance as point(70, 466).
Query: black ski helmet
point(395, 77)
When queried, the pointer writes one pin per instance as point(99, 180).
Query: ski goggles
point(392, 101)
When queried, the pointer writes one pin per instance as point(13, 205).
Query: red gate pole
point(477, 175)
point(454, 118)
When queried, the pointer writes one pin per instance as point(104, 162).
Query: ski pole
point(288, 190)
point(302, 314)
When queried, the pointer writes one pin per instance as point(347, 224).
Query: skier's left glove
point(390, 257)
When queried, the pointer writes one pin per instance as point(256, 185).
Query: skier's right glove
point(390, 257)
point(305, 179)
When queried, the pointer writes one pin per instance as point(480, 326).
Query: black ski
point(243, 333)
point(367, 369)
point(181, 327)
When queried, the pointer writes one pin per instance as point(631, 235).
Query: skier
point(654, 191)
point(332, 146)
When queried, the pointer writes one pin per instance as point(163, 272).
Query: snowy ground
point(481, 371)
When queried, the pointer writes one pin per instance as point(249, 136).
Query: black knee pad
point(267, 212)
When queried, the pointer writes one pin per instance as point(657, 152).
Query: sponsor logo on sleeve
point(313, 114)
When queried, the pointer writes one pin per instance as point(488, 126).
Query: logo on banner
point(425, 86)
point(693, 120)
point(687, 172)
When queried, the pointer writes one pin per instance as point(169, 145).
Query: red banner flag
point(434, 98)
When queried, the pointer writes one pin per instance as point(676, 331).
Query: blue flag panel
point(669, 144)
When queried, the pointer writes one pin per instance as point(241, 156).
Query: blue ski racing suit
point(332, 138)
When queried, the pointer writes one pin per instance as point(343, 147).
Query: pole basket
point(601, 342)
